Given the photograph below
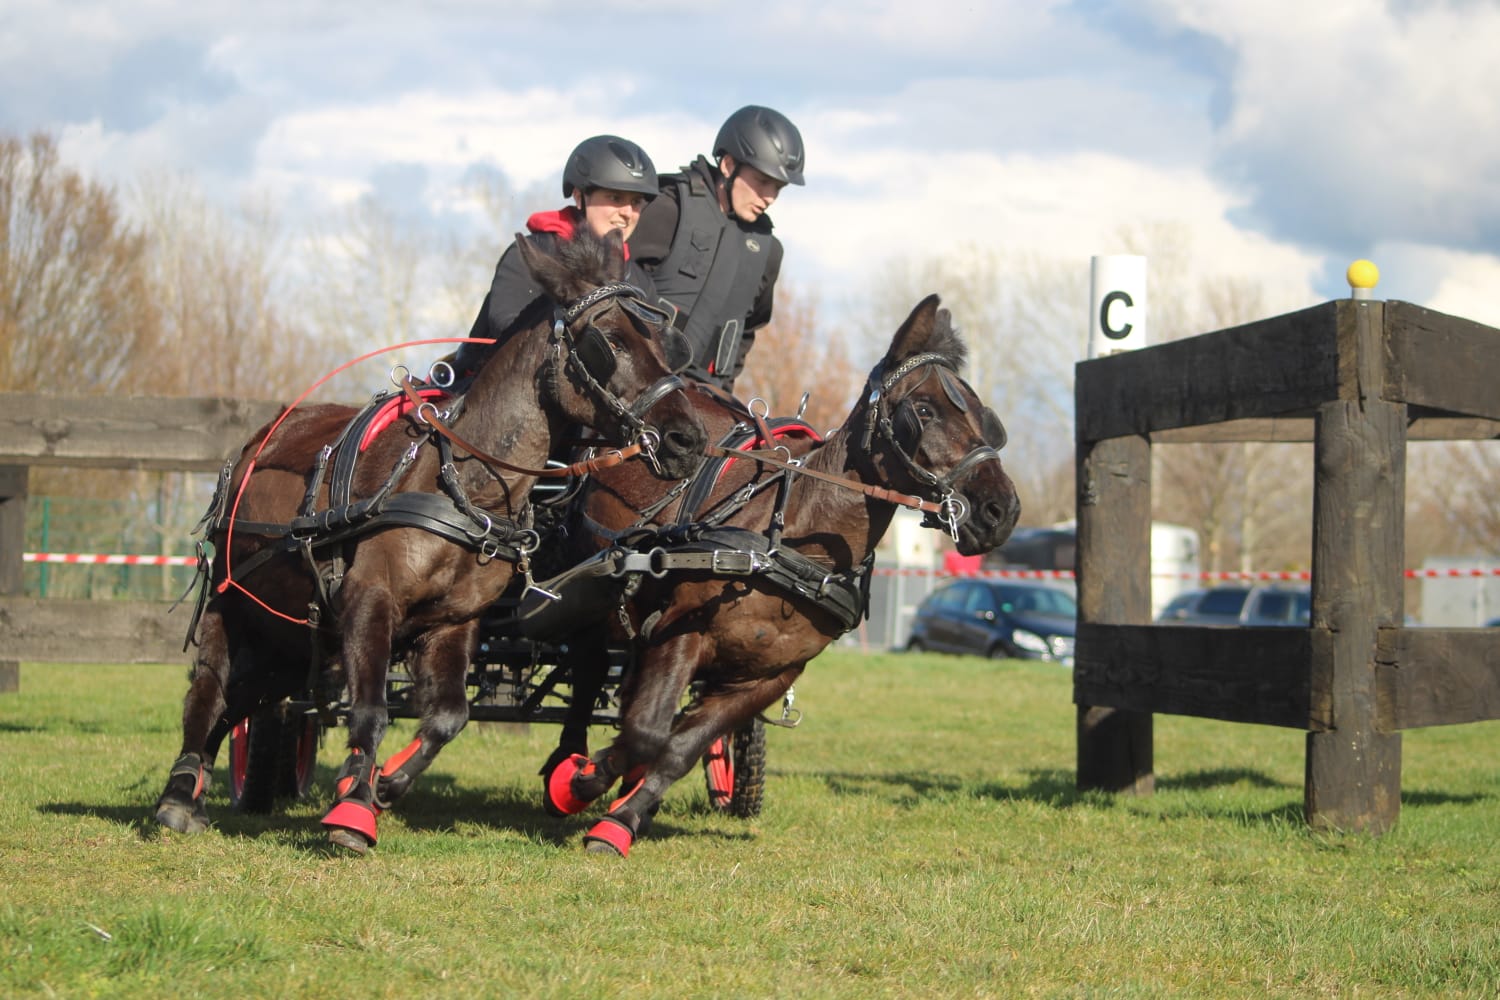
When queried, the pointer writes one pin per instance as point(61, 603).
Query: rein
point(425, 412)
point(949, 508)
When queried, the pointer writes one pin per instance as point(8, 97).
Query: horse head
point(922, 425)
point(618, 354)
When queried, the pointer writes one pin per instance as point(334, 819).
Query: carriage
point(679, 599)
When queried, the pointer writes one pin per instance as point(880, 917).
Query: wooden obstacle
point(101, 432)
point(1358, 379)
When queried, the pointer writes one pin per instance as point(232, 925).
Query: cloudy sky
point(1287, 138)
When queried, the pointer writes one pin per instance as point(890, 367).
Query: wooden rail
point(1358, 379)
point(101, 432)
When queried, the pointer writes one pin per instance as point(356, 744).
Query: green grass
point(922, 837)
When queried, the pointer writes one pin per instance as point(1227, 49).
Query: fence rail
point(100, 432)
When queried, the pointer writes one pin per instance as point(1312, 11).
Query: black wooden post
point(1114, 588)
point(1353, 777)
point(12, 544)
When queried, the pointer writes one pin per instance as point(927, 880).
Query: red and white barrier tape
point(96, 559)
point(1067, 574)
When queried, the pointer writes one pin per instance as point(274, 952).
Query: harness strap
point(608, 460)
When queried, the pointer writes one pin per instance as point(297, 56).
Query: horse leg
point(709, 718)
point(367, 624)
point(181, 805)
point(441, 666)
point(586, 663)
point(651, 696)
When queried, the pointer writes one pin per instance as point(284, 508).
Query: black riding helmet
point(607, 161)
point(764, 139)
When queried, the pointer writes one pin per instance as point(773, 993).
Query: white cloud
point(1464, 283)
point(891, 204)
point(1361, 120)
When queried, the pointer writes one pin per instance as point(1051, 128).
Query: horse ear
point(915, 333)
point(614, 241)
point(555, 277)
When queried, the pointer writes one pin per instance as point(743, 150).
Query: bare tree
point(74, 308)
point(792, 356)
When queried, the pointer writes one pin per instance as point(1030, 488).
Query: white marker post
point(1117, 304)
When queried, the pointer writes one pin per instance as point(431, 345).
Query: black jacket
point(512, 292)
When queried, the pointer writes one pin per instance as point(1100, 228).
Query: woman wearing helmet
point(610, 180)
point(707, 241)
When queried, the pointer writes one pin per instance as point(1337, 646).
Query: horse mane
point(591, 258)
point(584, 259)
point(947, 341)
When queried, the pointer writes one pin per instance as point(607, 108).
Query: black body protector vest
point(711, 276)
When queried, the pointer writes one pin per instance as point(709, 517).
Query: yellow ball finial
point(1362, 274)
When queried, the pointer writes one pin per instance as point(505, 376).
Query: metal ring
point(528, 541)
point(441, 374)
point(765, 407)
point(951, 501)
point(400, 379)
point(427, 404)
point(656, 562)
point(484, 532)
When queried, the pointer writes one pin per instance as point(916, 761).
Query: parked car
point(997, 618)
point(1287, 605)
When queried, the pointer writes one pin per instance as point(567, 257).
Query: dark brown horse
point(420, 538)
point(740, 641)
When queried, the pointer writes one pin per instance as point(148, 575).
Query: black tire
point(271, 757)
point(297, 756)
point(734, 771)
point(915, 646)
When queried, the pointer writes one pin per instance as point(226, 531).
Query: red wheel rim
point(239, 758)
point(307, 754)
point(720, 773)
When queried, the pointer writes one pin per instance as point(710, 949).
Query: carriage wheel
point(734, 771)
point(271, 757)
point(297, 756)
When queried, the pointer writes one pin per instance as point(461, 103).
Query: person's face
point(752, 191)
point(605, 209)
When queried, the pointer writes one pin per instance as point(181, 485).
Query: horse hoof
point(350, 840)
point(351, 825)
point(609, 836)
point(183, 819)
point(557, 787)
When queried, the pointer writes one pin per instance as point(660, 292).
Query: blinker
point(676, 350)
point(953, 388)
point(991, 429)
point(595, 354)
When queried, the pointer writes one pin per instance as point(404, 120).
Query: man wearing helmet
point(610, 181)
point(707, 241)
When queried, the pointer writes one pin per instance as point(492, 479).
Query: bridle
point(588, 356)
point(903, 423)
point(951, 508)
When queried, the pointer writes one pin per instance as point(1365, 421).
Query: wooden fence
point(100, 432)
point(1357, 379)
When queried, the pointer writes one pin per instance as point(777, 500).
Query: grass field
point(921, 837)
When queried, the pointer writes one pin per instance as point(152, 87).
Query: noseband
point(955, 507)
point(588, 355)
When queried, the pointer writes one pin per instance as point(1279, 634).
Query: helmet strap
point(729, 189)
